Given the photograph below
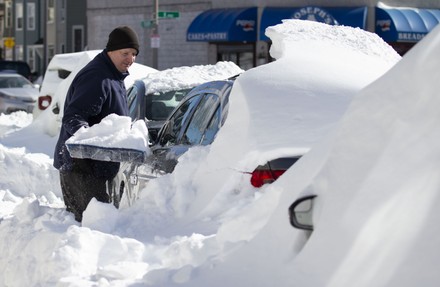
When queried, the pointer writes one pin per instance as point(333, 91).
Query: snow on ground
point(375, 218)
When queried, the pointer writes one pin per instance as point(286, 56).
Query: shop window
point(242, 55)
point(402, 47)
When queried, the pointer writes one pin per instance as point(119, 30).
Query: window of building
point(31, 57)
point(50, 52)
point(30, 16)
point(19, 52)
point(8, 15)
point(50, 11)
point(78, 38)
point(63, 10)
point(19, 16)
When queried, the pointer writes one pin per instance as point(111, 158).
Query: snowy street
point(369, 125)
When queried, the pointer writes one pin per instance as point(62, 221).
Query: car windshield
point(160, 105)
point(14, 82)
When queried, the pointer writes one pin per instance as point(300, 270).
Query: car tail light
point(262, 176)
point(44, 102)
point(271, 171)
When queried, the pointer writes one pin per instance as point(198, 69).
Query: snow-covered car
point(153, 99)
point(302, 210)
point(49, 108)
point(281, 109)
point(314, 101)
point(16, 93)
point(155, 96)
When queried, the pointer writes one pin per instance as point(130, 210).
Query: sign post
point(155, 38)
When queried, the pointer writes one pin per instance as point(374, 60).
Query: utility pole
point(155, 38)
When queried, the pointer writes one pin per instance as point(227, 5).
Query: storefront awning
point(347, 16)
point(405, 24)
point(224, 25)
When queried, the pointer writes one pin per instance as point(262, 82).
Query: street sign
point(9, 42)
point(163, 14)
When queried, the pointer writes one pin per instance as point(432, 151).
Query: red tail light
point(44, 102)
point(262, 176)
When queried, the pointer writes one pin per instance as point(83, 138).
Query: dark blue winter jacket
point(97, 91)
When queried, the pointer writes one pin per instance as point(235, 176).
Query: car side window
point(200, 120)
point(178, 121)
point(212, 129)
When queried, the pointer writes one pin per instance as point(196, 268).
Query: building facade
point(192, 32)
point(35, 30)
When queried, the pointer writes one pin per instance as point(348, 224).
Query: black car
point(195, 121)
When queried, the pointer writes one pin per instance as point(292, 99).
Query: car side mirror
point(301, 211)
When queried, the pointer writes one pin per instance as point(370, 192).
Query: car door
point(187, 127)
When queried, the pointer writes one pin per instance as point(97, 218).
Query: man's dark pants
point(80, 185)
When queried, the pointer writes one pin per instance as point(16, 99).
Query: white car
point(16, 93)
point(58, 69)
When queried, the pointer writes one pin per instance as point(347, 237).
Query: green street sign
point(163, 14)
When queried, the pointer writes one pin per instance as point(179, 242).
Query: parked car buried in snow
point(58, 69)
point(155, 96)
point(16, 93)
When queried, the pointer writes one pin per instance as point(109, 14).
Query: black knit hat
point(122, 37)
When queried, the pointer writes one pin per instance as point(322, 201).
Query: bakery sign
point(402, 36)
point(316, 14)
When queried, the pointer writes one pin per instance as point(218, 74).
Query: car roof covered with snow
point(186, 77)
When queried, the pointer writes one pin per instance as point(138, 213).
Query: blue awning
point(347, 16)
point(224, 25)
point(405, 24)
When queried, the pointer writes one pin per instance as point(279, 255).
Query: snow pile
point(14, 121)
point(188, 77)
